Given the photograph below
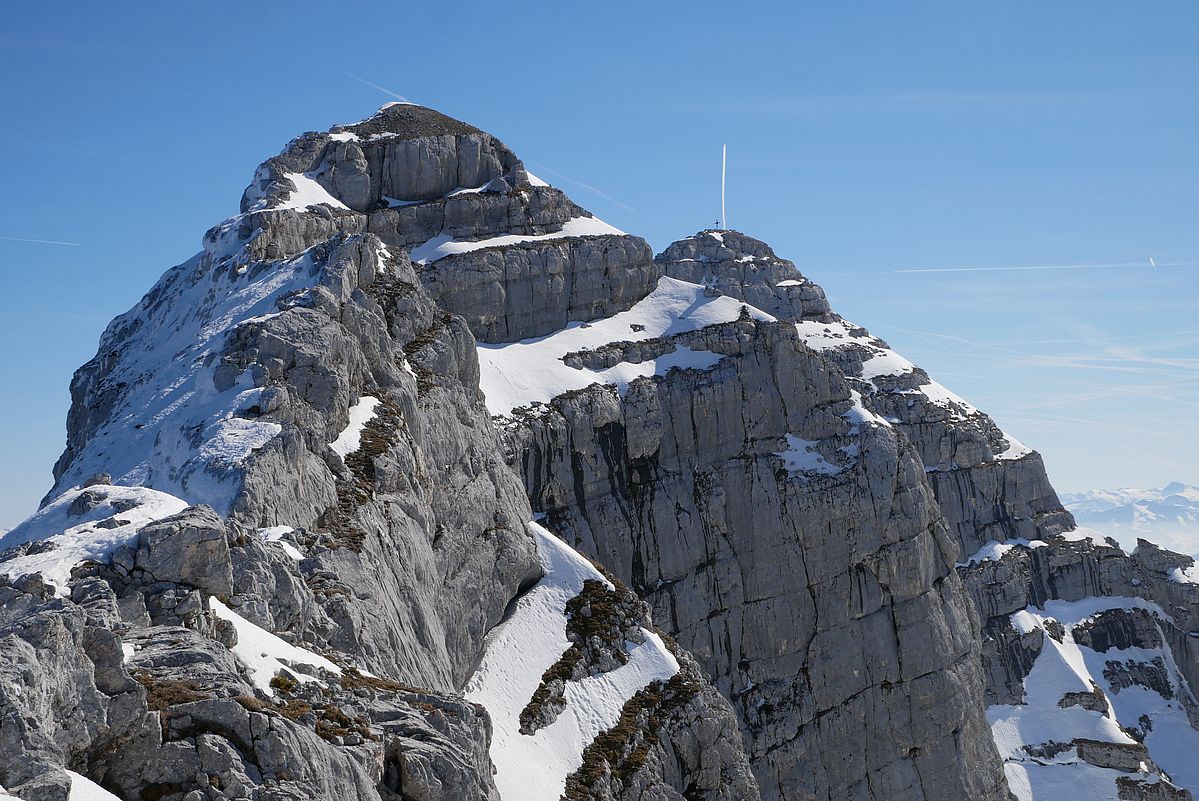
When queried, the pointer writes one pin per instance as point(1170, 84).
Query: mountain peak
point(297, 494)
point(733, 263)
point(406, 120)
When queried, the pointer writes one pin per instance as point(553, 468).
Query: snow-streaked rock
point(521, 649)
point(1095, 711)
point(82, 524)
point(298, 377)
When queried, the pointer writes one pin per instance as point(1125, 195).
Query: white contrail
point(40, 241)
point(1153, 264)
point(382, 89)
point(724, 159)
point(1034, 267)
point(543, 168)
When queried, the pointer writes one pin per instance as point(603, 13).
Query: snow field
point(519, 651)
point(517, 374)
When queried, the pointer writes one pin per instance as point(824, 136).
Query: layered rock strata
point(283, 529)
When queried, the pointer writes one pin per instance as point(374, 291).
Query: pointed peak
point(716, 244)
point(405, 120)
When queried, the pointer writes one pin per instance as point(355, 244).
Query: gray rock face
point(734, 264)
point(299, 379)
point(190, 548)
point(824, 604)
point(988, 486)
point(990, 489)
point(1076, 570)
point(789, 502)
point(512, 293)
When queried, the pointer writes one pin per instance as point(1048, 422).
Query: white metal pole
point(724, 158)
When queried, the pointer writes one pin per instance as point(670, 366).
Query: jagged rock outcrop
point(1019, 553)
point(823, 601)
point(283, 528)
point(288, 553)
point(732, 263)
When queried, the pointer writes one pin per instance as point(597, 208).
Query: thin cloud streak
point(382, 89)
point(1124, 265)
point(1099, 340)
point(1024, 268)
point(41, 241)
point(588, 187)
point(823, 104)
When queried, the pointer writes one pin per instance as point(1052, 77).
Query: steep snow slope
point(1100, 713)
point(535, 370)
point(534, 767)
point(182, 421)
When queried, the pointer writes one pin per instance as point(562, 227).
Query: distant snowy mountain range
point(1167, 516)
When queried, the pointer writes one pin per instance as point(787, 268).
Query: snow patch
point(84, 789)
point(395, 203)
point(801, 456)
point(858, 415)
point(516, 655)
point(276, 534)
point(994, 550)
point(1081, 533)
point(90, 536)
point(1185, 575)
point(265, 655)
point(444, 245)
point(516, 374)
point(361, 413)
point(307, 193)
point(1015, 449)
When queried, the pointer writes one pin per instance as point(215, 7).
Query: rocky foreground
point(420, 482)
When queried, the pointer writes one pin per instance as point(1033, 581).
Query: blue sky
point(865, 140)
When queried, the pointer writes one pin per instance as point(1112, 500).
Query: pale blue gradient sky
point(864, 139)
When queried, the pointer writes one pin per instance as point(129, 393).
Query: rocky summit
point(421, 482)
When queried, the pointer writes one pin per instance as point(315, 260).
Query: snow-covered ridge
point(519, 651)
point(266, 655)
point(1075, 694)
point(179, 426)
point(517, 374)
point(82, 525)
point(445, 245)
point(884, 363)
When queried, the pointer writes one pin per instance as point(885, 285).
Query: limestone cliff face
point(988, 485)
point(290, 549)
point(1047, 595)
point(283, 534)
point(788, 538)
